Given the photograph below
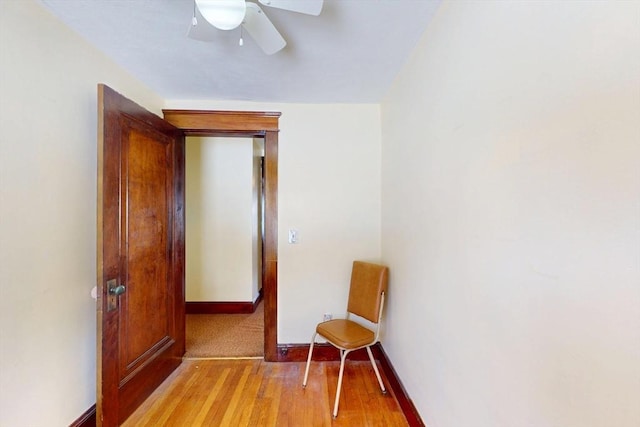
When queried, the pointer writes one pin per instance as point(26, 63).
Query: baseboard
point(327, 352)
point(321, 352)
point(406, 404)
point(88, 419)
point(223, 307)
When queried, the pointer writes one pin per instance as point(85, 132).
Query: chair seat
point(345, 333)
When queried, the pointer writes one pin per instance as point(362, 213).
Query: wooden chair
point(366, 299)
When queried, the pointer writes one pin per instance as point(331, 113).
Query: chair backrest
point(368, 283)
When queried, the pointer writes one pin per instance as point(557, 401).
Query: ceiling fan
point(212, 15)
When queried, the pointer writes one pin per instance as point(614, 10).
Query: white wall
point(329, 190)
point(511, 215)
point(48, 122)
point(219, 219)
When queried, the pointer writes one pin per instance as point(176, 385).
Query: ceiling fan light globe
point(223, 14)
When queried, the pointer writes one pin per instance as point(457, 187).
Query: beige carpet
point(226, 335)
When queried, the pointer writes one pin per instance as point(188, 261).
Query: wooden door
point(140, 310)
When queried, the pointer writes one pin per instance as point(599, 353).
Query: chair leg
point(375, 368)
point(306, 371)
point(343, 356)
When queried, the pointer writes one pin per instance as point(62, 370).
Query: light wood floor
point(262, 394)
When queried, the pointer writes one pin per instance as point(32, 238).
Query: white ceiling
point(349, 54)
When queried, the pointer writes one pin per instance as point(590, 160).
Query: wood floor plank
point(230, 413)
point(273, 393)
point(257, 393)
point(157, 408)
point(249, 396)
point(223, 399)
point(190, 403)
point(215, 391)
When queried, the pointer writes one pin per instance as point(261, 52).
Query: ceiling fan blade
point(202, 31)
point(262, 30)
point(308, 7)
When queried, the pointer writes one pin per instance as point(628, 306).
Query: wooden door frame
point(251, 124)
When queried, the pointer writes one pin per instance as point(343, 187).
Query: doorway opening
point(264, 126)
point(224, 238)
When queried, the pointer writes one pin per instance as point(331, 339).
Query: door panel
point(141, 251)
point(146, 198)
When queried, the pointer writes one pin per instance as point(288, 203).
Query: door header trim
point(199, 122)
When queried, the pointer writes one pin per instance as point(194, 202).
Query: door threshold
point(225, 358)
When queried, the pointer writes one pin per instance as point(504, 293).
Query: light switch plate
point(293, 236)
